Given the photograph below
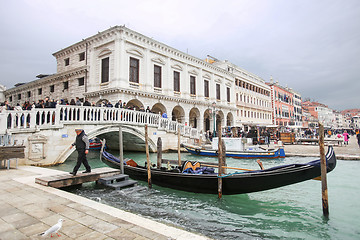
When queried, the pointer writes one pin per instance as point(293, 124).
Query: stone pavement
point(344, 152)
point(28, 209)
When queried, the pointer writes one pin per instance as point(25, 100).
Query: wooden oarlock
point(147, 156)
point(325, 202)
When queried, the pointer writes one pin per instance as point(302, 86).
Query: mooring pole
point(325, 202)
point(221, 149)
point(121, 150)
point(178, 147)
point(159, 152)
point(147, 156)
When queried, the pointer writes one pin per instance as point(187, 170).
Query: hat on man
point(78, 129)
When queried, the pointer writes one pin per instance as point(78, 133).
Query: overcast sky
point(312, 46)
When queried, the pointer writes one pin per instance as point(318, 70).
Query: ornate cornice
point(43, 81)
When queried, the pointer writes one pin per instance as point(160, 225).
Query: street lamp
point(214, 117)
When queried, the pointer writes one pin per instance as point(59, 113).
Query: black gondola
point(235, 183)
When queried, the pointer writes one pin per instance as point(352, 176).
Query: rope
point(228, 175)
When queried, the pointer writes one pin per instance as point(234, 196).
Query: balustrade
point(56, 117)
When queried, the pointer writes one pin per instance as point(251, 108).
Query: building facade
point(297, 109)
point(283, 107)
point(121, 64)
point(252, 97)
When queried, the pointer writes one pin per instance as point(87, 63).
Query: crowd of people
point(48, 103)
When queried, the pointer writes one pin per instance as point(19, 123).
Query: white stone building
point(121, 64)
point(297, 109)
point(326, 116)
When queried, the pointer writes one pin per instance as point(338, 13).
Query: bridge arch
point(133, 139)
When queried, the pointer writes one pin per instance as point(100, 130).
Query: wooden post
point(121, 150)
point(178, 147)
point(325, 203)
point(159, 152)
point(221, 159)
point(147, 156)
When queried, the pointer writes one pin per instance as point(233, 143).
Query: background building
point(283, 105)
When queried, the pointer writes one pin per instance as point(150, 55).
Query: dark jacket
point(81, 142)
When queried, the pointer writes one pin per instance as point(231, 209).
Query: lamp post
point(214, 118)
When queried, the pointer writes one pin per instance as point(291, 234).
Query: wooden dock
point(66, 179)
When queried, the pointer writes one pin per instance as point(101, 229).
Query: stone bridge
point(47, 133)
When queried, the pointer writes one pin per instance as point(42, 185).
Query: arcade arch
point(158, 108)
point(207, 120)
point(134, 104)
point(229, 119)
point(178, 114)
point(194, 117)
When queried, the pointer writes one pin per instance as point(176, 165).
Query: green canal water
point(291, 212)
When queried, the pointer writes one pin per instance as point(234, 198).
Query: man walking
point(82, 147)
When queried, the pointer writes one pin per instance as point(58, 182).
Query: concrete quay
point(344, 152)
point(28, 209)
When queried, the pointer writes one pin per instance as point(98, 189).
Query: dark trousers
point(81, 159)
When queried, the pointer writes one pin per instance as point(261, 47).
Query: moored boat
point(234, 183)
point(235, 148)
point(95, 144)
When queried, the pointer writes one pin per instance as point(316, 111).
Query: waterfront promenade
point(344, 152)
point(28, 209)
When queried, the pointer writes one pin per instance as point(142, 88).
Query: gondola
point(254, 152)
point(95, 144)
point(235, 183)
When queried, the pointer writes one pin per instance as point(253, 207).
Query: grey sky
point(310, 46)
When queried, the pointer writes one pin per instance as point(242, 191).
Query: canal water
point(291, 212)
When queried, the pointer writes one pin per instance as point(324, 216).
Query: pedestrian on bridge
point(82, 147)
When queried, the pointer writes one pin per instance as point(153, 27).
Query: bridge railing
point(44, 118)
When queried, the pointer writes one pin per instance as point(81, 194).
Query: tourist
point(346, 137)
point(164, 115)
point(87, 103)
point(148, 109)
point(119, 104)
point(78, 102)
point(72, 102)
point(267, 137)
point(27, 106)
point(39, 104)
point(108, 104)
point(358, 136)
point(82, 147)
point(47, 103)
point(142, 109)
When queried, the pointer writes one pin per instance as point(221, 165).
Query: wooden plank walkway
point(66, 179)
